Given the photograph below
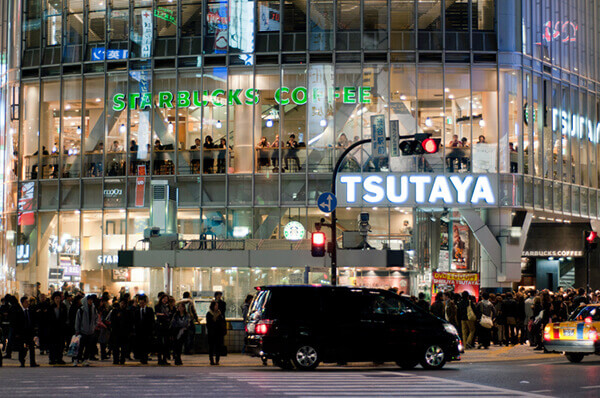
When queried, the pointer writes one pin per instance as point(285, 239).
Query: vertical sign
point(394, 139)
point(378, 147)
point(146, 33)
point(140, 186)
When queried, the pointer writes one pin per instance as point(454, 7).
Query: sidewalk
point(493, 354)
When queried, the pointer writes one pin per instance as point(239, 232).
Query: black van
point(301, 326)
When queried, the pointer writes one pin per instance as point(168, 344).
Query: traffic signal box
point(421, 144)
point(591, 240)
point(318, 244)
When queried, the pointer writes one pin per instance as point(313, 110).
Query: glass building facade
point(245, 106)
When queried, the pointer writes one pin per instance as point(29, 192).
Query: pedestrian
point(246, 307)
point(467, 318)
point(163, 323)
point(216, 327)
point(191, 310)
point(5, 325)
point(56, 320)
point(450, 310)
point(180, 325)
point(484, 308)
point(438, 308)
point(510, 310)
point(41, 309)
point(221, 303)
point(85, 326)
point(500, 321)
point(103, 330)
point(143, 327)
point(422, 302)
point(120, 320)
point(25, 324)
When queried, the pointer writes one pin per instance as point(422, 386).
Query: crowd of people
point(511, 318)
point(123, 327)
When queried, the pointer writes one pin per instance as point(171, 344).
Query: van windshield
point(258, 304)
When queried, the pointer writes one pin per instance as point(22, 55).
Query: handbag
point(486, 322)
point(74, 346)
point(471, 314)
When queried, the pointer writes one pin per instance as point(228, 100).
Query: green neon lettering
point(183, 99)
point(364, 95)
point(296, 95)
point(317, 94)
point(118, 103)
point(252, 96)
point(336, 93)
point(165, 99)
point(196, 98)
point(146, 100)
point(349, 95)
point(215, 94)
point(205, 96)
point(133, 100)
point(278, 99)
point(234, 97)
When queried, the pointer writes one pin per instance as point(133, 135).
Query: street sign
point(327, 202)
point(394, 139)
point(378, 143)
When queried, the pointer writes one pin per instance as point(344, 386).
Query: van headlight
point(450, 329)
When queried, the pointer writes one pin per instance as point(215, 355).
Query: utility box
point(163, 207)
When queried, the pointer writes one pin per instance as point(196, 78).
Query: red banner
point(456, 282)
point(140, 186)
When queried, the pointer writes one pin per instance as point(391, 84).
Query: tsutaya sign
point(249, 96)
point(575, 125)
point(399, 189)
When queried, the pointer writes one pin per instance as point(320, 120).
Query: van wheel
point(306, 357)
point(407, 363)
point(283, 363)
point(574, 357)
point(434, 357)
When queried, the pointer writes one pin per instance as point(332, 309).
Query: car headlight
point(450, 329)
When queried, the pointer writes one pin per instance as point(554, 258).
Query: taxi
point(576, 337)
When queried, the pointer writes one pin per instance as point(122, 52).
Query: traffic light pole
point(333, 224)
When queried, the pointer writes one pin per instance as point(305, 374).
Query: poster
point(460, 246)
point(456, 282)
point(26, 216)
point(268, 18)
point(217, 23)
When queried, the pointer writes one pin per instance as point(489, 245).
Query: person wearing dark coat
point(216, 328)
point(163, 324)
point(56, 322)
point(221, 303)
point(143, 321)
point(438, 308)
point(180, 325)
point(25, 324)
point(120, 320)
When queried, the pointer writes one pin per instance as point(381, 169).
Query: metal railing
point(240, 244)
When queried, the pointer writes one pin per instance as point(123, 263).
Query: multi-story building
point(244, 106)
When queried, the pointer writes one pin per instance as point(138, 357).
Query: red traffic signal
point(591, 236)
point(429, 145)
point(318, 241)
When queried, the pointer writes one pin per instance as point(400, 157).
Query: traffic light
point(421, 144)
point(591, 240)
point(318, 244)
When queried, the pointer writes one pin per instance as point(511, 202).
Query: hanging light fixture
point(269, 122)
point(323, 123)
point(78, 130)
point(123, 128)
point(218, 124)
point(170, 127)
point(481, 123)
point(428, 122)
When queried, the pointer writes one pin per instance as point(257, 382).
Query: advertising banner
point(460, 246)
point(26, 216)
point(394, 138)
point(456, 282)
point(140, 186)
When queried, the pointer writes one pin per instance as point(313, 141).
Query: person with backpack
point(85, 326)
point(188, 347)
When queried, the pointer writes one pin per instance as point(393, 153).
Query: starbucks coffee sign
point(250, 96)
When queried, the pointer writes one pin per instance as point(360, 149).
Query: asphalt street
point(547, 376)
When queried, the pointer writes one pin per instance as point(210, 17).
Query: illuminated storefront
point(245, 106)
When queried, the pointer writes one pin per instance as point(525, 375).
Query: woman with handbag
point(216, 328)
point(485, 316)
point(180, 324)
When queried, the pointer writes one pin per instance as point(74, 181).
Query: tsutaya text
point(249, 96)
point(416, 189)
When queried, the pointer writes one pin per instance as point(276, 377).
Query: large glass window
point(511, 148)
point(321, 137)
point(47, 259)
point(321, 26)
point(294, 23)
point(375, 33)
point(71, 129)
point(235, 150)
point(140, 119)
point(32, 23)
point(116, 123)
point(402, 17)
point(93, 127)
point(431, 113)
point(53, 20)
point(457, 121)
point(164, 124)
point(96, 22)
point(30, 132)
point(485, 120)
point(403, 109)
point(191, 27)
point(429, 22)
point(214, 118)
point(118, 27)
point(190, 124)
point(50, 128)
point(267, 121)
point(348, 36)
point(216, 33)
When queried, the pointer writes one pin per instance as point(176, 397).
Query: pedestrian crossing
point(329, 384)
